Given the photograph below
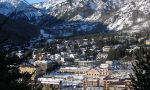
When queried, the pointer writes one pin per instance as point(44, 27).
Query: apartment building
point(35, 71)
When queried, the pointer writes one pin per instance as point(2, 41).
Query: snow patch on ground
point(44, 34)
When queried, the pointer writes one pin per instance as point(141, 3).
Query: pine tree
point(9, 73)
point(141, 70)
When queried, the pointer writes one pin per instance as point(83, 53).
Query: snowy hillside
point(83, 15)
point(135, 16)
point(9, 6)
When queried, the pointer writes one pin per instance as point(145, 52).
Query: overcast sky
point(35, 1)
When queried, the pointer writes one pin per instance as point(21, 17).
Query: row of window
point(93, 74)
point(105, 73)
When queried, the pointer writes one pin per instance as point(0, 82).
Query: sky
point(34, 1)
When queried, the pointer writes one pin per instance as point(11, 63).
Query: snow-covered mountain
point(8, 6)
point(134, 16)
point(69, 16)
point(13, 29)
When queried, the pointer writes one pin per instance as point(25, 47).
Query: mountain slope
point(68, 16)
point(135, 16)
point(17, 30)
point(119, 15)
point(9, 6)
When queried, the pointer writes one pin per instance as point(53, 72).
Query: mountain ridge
point(118, 15)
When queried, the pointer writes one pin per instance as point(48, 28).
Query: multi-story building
point(35, 71)
point(94, 73)
point(99, 71)
point(117, 84)
point(86, 63)
point(92, 84)
point(75, 70)
point(50, 83)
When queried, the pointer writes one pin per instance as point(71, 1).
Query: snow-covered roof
point(43, 61)
point(50, 80)
point(75, 68)
point(104, 66)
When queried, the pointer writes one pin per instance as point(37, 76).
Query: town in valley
point(88, 62)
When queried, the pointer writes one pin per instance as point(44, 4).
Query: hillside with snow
point(134, 16)
point(72, 16)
